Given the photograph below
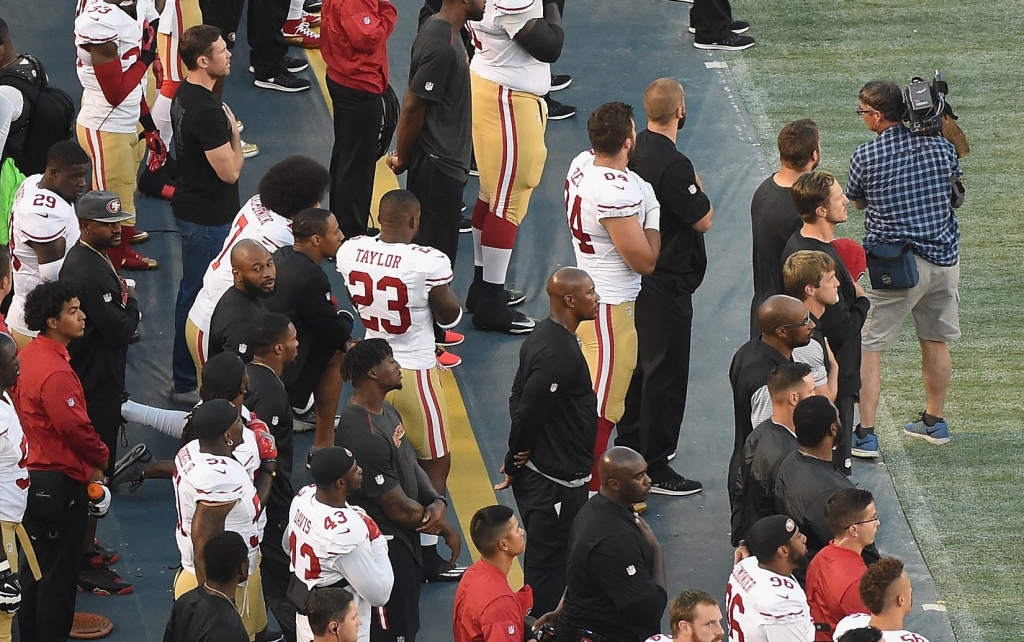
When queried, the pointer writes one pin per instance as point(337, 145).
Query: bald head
point(252, 268)
point(779, 310)
point(623, 473)
point(661, 100)
point(567, 280)
point(616, 462)
point(573, 297)
point(246, 252)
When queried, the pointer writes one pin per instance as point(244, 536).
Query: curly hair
point(294, 184)
point(877, 581)
point(47, 302)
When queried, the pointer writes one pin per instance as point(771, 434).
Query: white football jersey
point(863, 620)
point(501, 59)
point(593, 193)
point(98, 24)
point(253, 221)
point(40, 216)
point(660, 637)
point(14, 480)
point(202, 477)
point(757, 598)
point(389, 284)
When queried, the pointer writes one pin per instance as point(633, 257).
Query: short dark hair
point(844, 507)
point(609, 127)
point(223, 376)
point(197, 41)
point(886, 97)
point(812, 419)
point(811, 191)
point(66, 154)
point(785, 377)
point(684, 607)
point(797, 142)
point(267, 331)
point(310, 222)
point(363, 357)
point(865, 634)
point(398, 203)
point(327, 605)
point(224, 553)
point(294, 184)
point(47, 301)
point(488, 526)
point(876, 582)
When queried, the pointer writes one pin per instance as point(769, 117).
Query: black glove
point(10, 589)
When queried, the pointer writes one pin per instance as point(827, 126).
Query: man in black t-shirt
point(656, 398)
point(209, 154)
point(207, 613)
point(773, 217)
point(252, 267)
point(396, 492)
point(435, 126)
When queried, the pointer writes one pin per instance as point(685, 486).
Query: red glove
point(266, 442)
point(158, 73)
point(148, 49)
point(157, 150)
point(371, 526)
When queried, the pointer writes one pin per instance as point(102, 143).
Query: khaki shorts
point(609, 346)
point(115, 163)
point(424, 410)
point(934, 302)
point(248, 599)
point(12, 533)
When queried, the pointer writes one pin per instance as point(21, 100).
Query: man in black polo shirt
point(206, 613)
point(255, 274)
point(656, 399)
point(273, 345)
point(785, 324)
point(435, 126)
point(553, 408)
point(616, 575)
point(396, 492)
point(304, 294)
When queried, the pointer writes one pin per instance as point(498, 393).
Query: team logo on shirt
point(242, 348)
point(366, 20)
point(693, 189)
point(511, 629)
point(107, 298)
point(554, 387)
point(379, 479)
point(274, 420)
point(630, 570)
point(71, 402)
point(429, 86)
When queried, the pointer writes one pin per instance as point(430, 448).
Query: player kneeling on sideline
point(886, 590)
point(694, 616)
point(335, 545)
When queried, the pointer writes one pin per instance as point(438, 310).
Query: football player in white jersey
point(614, 219)
point(292, 185)
point(693, 616)
point(765, 603)
point(334, 544)
point(115, 48)
point(886, 590)
point(44, 227)
point(400, 290)
point(213, 493)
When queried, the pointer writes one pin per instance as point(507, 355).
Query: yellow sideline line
point(469, 482)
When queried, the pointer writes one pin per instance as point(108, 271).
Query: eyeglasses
point(866, 521)
point(803, 324)
point(861, 112)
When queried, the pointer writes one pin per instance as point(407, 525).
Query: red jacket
point(353, 42)
point(486, 609)
point(833, 587)
point(51, 403)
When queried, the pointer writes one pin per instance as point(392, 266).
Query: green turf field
point(810, 61)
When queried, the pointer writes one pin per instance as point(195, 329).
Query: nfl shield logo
point(71, 402)
point(554, 387)
point(274, 420)
point(379, 479)
point(366, 20)
point(242, 348)
point(107, 298)
point(511, 629)
point(630, 570)
point(429, 86)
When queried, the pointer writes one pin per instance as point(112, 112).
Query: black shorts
point(400, 618)
point(302, 380)
point(105, 415)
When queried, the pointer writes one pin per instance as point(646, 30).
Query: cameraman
point(904, 182)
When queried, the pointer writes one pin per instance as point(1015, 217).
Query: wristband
point(443, 500)
point(5, 566)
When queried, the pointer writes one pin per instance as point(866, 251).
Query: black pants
point(357, 118)
point(225, 15)
point(440, 199)
point(842, 455)
point(274, 569)
point(105, 415)
point(55, 522)
point(266, 44)
point(711, 19)
point(400, 617)
point(547, 531)
point(656, 398)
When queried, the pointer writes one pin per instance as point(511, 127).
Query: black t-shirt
point(802, 486)
point(773, 219)
point(388, 460)
point(439, 74)
point(198, 616)
point(268, 398)
point(671, 174)
point(200, 125)
point(231, 320)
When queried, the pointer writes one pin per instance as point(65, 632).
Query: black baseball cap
point(768, 534)
point(102, 206)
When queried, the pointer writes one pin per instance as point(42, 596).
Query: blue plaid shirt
point(905, 180)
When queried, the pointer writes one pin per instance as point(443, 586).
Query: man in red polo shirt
point(833, 576)
point(353, 42)
point(486, 608)
point(65, 454)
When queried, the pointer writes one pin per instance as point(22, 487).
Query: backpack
point(47, 118)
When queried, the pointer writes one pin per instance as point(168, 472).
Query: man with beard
point(765, 602)
point(615, 582)
point(255, 276)
point(694, 616)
